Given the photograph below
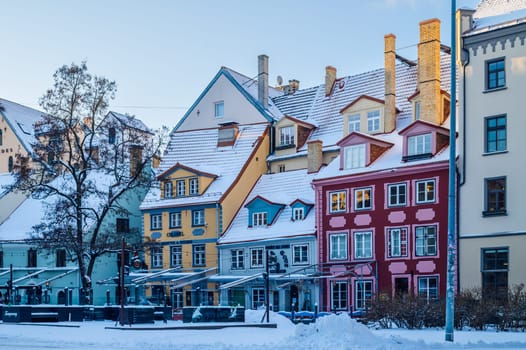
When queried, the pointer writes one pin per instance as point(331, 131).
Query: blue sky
point(163, 53)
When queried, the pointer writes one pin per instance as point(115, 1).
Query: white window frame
point(199, 255)
point(156, 222)
point(168, 189)
point(219, 109)
point(176, 219)
point(425, 290)
point(362, 193)
point(361, 289)
point(286, 135)
point(397, 202)
point(422, 188)
point(363, 244)
point(237, 259)
point(426, 241)
point(198, 217)
point(340, 297)
point(419, 144)
point(340, 200)
point(181, 188)
point(338, 246)
point(353, 122)
point(259, 219)
point(194, 186)
point(258, 297)
point(373, 121)
point(257, 254)
point(300, 254)
point(417, 108)
point(176, 256)
point(298, 213)
point(156, 257)
point(397, 243)
point(354, 156)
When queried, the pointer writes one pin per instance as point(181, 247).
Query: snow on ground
point(333, 332)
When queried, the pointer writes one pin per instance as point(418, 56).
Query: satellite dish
point(279, 79)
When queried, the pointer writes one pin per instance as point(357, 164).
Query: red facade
point(382, 232)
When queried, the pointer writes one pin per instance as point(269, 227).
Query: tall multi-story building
point(492, 232)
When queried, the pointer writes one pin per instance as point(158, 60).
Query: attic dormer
point(365, 114)
point(360, 150)
point(262, 212)
point(227, 134)
point(182, 181)
point(292, 133)
point(300, 209)
point(423, 140)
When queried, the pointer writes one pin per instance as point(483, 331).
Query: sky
point(334, 332)
point(163, 53)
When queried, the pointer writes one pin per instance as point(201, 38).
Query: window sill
point(494, 153)
point(282, 147)
point(414, 157)
point(494, 213)
point(495, 89)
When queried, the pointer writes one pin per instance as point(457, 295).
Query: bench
point(44, 317)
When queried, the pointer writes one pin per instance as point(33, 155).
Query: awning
point(25, 277)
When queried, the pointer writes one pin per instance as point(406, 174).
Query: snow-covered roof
point(313, 106)
point(21, 119)
point(197, 149)
point(283, 188)
point(130, 121)
point(390, 160)
point(6, 179)
point(493, 14)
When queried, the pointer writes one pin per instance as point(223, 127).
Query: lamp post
point(451, 238)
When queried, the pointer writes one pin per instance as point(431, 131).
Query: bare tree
point(88, 167)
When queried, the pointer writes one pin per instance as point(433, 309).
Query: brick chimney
point(390, 82)
point(314, 156)
point(429, 71)
point(330, 78)
point(263, 80)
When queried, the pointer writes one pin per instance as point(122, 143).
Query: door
point(401, 287)
point(294, 297)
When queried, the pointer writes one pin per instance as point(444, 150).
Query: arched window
point(10, 164)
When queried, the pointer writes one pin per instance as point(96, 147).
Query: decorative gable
point(365, 114)
point(300, 209)
point(359, 150)
point(183, 181)
point(423, 140)
point(262, 212)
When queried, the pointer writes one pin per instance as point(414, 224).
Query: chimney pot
point(314, 156)
point(263, 80)
point(330, 78)
point(390, 82)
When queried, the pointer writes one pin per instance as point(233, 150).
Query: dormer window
point(168, 189)
point(194, 186)
point(181, 190)
point(259, 219)
point(298, 214)
point(417, 110)
point(419, 145)
point(354, 123)
point(354, 156)
point(219, 109)
point(286, 136)
point(373, 121)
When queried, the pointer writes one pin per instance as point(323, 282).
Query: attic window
point(419, 144)
point(219, 109)
point(259, 219)
point(354, 156)
point(227, 134)
point(298, 214)
point(286, 136)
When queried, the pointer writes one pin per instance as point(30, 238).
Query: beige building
point(492, 230)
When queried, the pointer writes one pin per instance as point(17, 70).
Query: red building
point(381, 205)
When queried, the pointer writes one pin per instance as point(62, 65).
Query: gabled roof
point(129, 121)
point(362, 97)
point(299, 122)
point(262, 198)
point(312, 106)
point(247, 87)
point(286, 187)
point(21, 120)
point(197, 149)
point(182, 166)
point(424, 124)
point(365, 138)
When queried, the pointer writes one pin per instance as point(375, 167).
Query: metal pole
point(451, 238)
point(267, 287)
point(121, 284)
